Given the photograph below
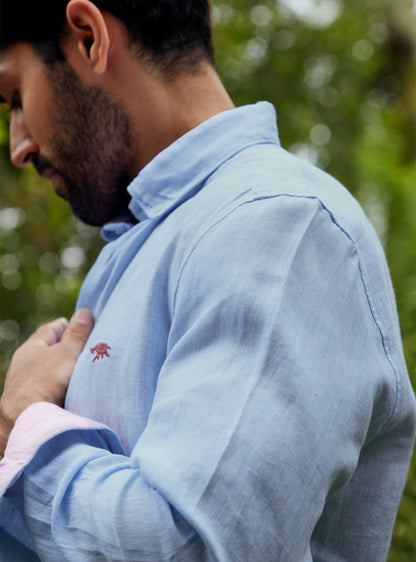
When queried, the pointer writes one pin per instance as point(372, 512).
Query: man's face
point(76, 135)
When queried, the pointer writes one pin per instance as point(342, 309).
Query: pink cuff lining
point(38, 423)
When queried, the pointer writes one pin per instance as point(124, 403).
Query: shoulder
point(272, 172)
point(269, 193)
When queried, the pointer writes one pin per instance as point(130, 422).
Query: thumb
point(78, 330)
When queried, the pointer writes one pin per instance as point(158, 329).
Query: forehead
point(18, 60)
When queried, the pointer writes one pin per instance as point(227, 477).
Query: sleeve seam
point(371, 305)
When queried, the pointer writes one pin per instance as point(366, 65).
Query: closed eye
point(15, 101)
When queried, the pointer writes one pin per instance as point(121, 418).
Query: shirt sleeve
point(38, 423)
point(276, 377)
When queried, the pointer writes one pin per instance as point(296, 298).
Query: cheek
point(36, 103)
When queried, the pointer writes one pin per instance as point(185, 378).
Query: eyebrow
point(2, 75)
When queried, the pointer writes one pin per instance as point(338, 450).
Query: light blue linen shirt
point(254, 381)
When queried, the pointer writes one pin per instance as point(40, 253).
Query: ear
point(89, 29)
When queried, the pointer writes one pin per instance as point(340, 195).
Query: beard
point(92, 147)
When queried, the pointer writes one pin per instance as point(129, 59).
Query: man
point(242, 394)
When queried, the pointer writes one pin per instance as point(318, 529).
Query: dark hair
point(170, 33)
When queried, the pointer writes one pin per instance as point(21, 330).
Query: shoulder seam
point(371, 305)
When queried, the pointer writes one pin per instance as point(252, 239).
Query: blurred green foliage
point(342, 75)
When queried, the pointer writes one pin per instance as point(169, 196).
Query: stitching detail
point(371, 304)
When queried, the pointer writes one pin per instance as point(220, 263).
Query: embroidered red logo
point(101, 350)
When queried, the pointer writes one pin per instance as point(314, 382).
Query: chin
point(92, 216)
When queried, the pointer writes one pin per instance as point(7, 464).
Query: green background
point(342, 76)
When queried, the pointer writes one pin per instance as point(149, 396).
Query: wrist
point(10, 410)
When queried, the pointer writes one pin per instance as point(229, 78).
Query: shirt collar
point(178, 172)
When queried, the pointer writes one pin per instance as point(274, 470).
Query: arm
point(262, 407)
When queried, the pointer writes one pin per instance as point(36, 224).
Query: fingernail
point(64, 322)
point(82, 316)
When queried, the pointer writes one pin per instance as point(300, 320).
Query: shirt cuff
point(38, 423)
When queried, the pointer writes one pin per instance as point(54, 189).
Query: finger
point(78, 330)
point(51, 333)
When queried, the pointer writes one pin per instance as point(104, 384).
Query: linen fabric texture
point(254, 404)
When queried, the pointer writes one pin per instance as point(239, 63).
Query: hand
point(42, 367)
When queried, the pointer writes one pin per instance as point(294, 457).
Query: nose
point(23, 148)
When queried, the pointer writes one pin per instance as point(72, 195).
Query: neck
point(163, 109)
